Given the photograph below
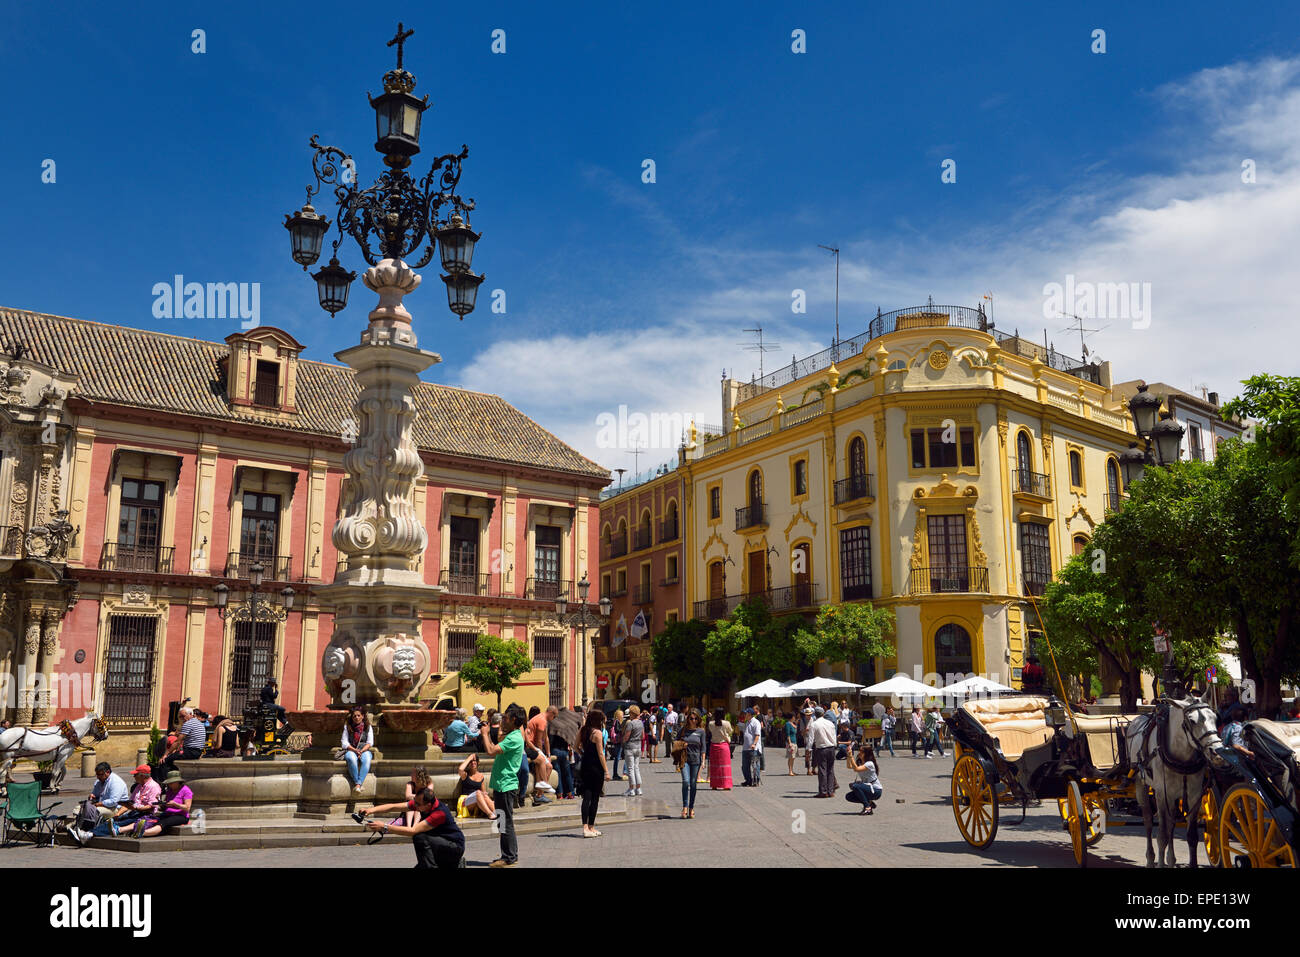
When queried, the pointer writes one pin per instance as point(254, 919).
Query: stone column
point(25, 671)
point(49, 644)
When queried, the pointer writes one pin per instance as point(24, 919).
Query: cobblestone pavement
point(758, 827)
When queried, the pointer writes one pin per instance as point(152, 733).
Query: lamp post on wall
point(583, 617)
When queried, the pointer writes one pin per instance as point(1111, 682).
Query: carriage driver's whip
point(1065, 697)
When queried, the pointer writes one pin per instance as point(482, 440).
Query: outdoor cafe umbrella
point(770, 688)
point(975, 684)
point(816, 685)
point(902, 686)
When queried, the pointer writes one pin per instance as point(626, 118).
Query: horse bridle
point(1197, 761)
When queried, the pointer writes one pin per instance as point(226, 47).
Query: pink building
point(182, 463)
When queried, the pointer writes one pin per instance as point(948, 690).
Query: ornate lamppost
point(398, 213)
point(583, 617)
point(1161, 440)
point(258, 607)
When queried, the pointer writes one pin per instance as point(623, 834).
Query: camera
point(359, 818)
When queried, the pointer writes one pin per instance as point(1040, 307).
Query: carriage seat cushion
point(1101, 723)
point(1285, 733)
point(1018, 722)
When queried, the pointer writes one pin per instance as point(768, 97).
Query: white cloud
point(1220, 256)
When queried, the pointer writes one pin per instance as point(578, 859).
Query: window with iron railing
point(139, 526)
point(128, 678)
point(855, 563)
point(1035, 557)
point(266, 391)
point(1032, 483)
point(461, 647)
point(751, 516)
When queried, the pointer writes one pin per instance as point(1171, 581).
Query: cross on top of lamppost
point(399, 40)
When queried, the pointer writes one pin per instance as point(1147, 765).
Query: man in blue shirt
point(109, 793)
point(456, 733)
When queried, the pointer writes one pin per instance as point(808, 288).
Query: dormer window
point(267, 390)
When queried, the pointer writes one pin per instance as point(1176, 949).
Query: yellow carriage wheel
point(974, 803)
point(1210, 822)
point(1248, 831)
point(1078, 822)
point(1092, 832)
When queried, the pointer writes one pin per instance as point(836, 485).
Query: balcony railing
point(615, 548)
point(548, 589)
point(643, 595)
point(777, 600)
point(669, 581)
point(274, 567)
point(618, 591)
point(854, 487)
point(668, 531)
point(642, 538)
point(1032, 483)
point(466, 583)
point(11, 541)
point(117, 557)
point(1035, 587)
point(751, 516)
point(935, 581)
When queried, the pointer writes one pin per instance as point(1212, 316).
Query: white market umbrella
point(975, 684)
point(771, 688)
point(901, 686)
point(816, 685)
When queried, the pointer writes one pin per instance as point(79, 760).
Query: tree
point(854, 632)
point(1275, 402)
point(681, 659)
point(497, 662)
point(750, 644)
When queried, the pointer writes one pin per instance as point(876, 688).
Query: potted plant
point(44, 773)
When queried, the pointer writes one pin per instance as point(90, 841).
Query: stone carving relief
point(399, 665)
point(341, 661)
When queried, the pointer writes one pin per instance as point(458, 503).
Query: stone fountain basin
point(412, 719)
point(318, 722)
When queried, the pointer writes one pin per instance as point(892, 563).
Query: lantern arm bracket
point(328, 165)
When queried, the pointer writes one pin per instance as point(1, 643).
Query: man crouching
point(438, 839)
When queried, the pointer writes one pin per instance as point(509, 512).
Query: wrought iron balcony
point(751, 516)
point(463, 582)
point(11, 541)
point(274, 567)
point(943, 580)
point(642, 538)
point(643, 595)
point(1035, 587)
point(548, 589)
point(615, 548)
point(668, 531)
point(854, 487)
point(1032, 483)
point(119, 557)
point(618, 591)
point(669, 581)
point(777, 600)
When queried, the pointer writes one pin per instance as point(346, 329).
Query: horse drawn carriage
point(1105, 771)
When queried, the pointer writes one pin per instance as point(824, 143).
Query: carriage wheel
point(1210, 822)
point(974, 804)
point(1079, 823)
point(1249, 833)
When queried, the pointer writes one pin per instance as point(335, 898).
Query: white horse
point(1170, 748)
point(49, 744)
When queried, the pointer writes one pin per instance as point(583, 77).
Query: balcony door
point(462, 562)
point(757, 564)
point(546, 562)
point(948, 569)
point(259, 533)
point(139, 526)
point(717, 590)
point(801, 561)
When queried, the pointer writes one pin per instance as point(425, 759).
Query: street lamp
point(398, 213)
point(1161, 440)
point(583, 617)
point(258, 607)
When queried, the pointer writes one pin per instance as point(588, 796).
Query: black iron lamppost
point(1162, 438)
point(583, 617)
point(258, 607)
point(398, 213)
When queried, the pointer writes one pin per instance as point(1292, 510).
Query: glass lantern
point(456, 245)
point(332, 284)
point(306, 232)
point(462, 290)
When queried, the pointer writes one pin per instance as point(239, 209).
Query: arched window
point(755, 489)
point(1024, 457)
point(620, 538)
point(643, 535)
point(857, 458)
point(1080, 544)
point(952, 651)
point(1112, 484)
point(669, 531)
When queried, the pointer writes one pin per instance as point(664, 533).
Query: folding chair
point(23, 815)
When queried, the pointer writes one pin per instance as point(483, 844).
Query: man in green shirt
point(506, 758)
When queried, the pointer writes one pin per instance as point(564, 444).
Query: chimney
point(1214, 399)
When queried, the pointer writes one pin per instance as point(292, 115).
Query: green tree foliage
point(1275, 402)
point(853, 633)
point(681, 660)
point(751, 645)
point(496, 664)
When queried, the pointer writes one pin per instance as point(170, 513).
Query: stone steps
point(270, 833)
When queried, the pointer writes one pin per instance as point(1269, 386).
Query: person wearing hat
point(474, 722)
point(823, 744)
point(144, 795)
point(173, 808)
point(805, 732)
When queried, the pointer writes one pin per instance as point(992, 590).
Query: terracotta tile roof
point(153, 370)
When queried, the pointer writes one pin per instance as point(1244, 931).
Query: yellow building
point(933, 465)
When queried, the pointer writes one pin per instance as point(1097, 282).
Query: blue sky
point(1115, 167)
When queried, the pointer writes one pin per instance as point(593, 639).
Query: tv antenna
point(1077, 326)
point(836, 251)
point(760, 347)
point(636, 460)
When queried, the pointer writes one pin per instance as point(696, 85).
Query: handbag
point(678, 747)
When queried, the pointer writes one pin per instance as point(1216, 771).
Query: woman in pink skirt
point(719, 752)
